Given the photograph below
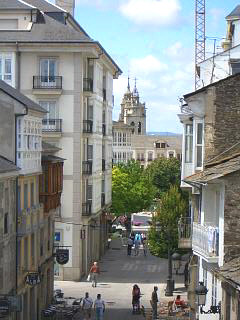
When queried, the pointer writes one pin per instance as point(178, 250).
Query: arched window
point(139, 127)
point(133, 125)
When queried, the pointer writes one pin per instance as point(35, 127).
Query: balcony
point(150, 159)
point(87, 84)
point(52, 125)
point(87, 126)
point(104, 95)
point(102, 200)
point(205, 241)
point(103, 164)
point(47, 82)
point(185, 233)
point(87, 167)
point(87, 208)
point(103, 129)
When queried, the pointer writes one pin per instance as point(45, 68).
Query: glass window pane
point(199, 156)
point(44, 69)
point(8, 66)
point(199, 133)
point(52, 110)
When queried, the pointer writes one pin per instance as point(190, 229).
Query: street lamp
point(176, 259)
point(201, 292)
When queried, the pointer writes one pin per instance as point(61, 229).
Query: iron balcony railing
point(87, 126)
point(104, 129)
point(47, 82)
point(205, 239)
point(87, 208)
point(185, 232)
point(104, 94)
point(103, 164)
point(103, 199)
point(87, 167)
point(88, 84)
point(52, 125)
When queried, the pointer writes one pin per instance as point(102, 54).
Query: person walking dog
point(94, 271)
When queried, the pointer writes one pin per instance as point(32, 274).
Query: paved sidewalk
point(119, 273)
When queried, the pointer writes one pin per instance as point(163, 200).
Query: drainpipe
point(18, 61)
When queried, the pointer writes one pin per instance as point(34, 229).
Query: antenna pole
point(200, 38)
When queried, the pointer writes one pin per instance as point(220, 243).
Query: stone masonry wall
point(222, 116)
point(232, 216)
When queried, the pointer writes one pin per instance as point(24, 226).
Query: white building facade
point(59, 66)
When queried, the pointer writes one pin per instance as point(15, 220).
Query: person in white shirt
point(87, 306)
point(99, 307)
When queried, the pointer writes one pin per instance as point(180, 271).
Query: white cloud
point(175, 49)
point(147, 65)
point(152, 12)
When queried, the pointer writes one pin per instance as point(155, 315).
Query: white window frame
point(3, 73)
point(199, 145)
point(188, 142)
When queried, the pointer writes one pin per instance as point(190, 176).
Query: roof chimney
point(68, 5)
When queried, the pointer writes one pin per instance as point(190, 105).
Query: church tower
point(133, 112)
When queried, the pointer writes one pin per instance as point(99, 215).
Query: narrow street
point(119, 273)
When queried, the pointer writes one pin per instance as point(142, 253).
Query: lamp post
point(201, 292)
point(170, 281)
point(176, 260)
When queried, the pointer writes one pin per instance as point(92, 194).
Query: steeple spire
point(128, 87)
point(135, 90)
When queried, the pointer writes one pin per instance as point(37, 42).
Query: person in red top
point(94, 271)
point(179, 302)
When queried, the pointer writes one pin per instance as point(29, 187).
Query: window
point(188, 143)
point(158, 145)
point(48, 70)
point(89, 192)
point(124, 138)
point(6, 68)
point(119, 138)
point(235, 67)
point(171, 155)
point(150, 156)
point(32, 194)
point(199, 144)
point(114, 138)
point(50, 107)
point(163, 145)
point(25, 204)
point(90, 112)
point(214, 290)
point(5, 223)
point(139, 127)
point(90, 152)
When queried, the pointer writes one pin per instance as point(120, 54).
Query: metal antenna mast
point(200, 39)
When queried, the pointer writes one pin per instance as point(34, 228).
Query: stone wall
point(232, 216)
point(222, 116)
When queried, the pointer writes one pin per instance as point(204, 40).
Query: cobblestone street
point(119, 273)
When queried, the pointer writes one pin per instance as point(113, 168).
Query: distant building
point(130, 140)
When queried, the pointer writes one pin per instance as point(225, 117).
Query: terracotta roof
point(215, 172)
point(231, 271)
point(7, 165)
point(20, 97)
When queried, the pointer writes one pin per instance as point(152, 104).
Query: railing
point(47, 82)
point(103, 199)
point(185, 233)
point(104, 129)
point(87, 126)
point(52, 125)
point(104, 94)
point(87, 208)
point(88, 84)
point(103, 164)
point(205, 239)
point(87, 167)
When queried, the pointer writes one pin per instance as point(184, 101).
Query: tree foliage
point(132, 190)
point(164, 173)
point(164, 230)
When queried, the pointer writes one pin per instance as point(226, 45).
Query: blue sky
point(153, 40)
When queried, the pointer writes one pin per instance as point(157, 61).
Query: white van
point(140, 222)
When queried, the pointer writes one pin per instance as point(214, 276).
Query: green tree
point(132, 190)
point(164, 172)
point(164, 230)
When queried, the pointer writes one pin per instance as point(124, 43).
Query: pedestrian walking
point(99, 307)
point(87, 307)
point(136, 246)
point(94, 271)
point(129, 246)
point(154, 302)
point(136, 294)
point(144, 243)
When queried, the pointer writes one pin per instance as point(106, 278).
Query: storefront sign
point(4, 307)
point(62, 256)
point(33, 278)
